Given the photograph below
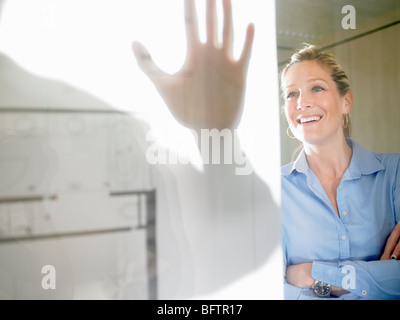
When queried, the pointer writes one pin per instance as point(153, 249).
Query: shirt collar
point(300, 165)
point(363, 162)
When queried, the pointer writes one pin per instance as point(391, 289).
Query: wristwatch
point(322, 289)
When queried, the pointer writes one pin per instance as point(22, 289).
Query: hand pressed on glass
point(208, 91)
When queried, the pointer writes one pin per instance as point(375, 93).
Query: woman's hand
point(299, 275)
point(392, 244)
point(208, 92)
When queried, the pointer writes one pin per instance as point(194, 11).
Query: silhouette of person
point(210, 230)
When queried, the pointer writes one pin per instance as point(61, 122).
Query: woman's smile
point(308, 120)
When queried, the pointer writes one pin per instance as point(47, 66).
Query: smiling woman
point(339, 192)
point(334, 75)
point(370, 54)
point(314, 108)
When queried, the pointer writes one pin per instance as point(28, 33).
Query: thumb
point(145, 61)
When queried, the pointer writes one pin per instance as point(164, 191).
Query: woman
point(341, 202)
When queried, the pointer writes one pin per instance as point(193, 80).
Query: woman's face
point(313, 106)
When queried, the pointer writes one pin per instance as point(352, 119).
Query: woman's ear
point(348, 101)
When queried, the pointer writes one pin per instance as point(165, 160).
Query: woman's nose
point(304, 101)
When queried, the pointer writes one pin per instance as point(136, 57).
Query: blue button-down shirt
point(344, 250)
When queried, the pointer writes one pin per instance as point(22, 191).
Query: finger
point(396, 252)
point(391, 243)
point(211, 22)
point(245, 56)
point(227, 35)
point(192, 33)
point(145, 61)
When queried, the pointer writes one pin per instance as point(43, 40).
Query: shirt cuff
point(327, 272)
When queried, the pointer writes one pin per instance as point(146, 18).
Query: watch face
point(322, 289)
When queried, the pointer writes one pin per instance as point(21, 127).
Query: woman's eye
point(291, 95)
point(318, 89)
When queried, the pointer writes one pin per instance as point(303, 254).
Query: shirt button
point(364, 292)
point(344, 213)
point(344, 237)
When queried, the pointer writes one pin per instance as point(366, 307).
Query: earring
point(345, 121)
point(288, 133)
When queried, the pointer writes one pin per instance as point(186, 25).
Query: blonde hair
point(314, 53)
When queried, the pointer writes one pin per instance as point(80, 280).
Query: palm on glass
point(208, 91)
